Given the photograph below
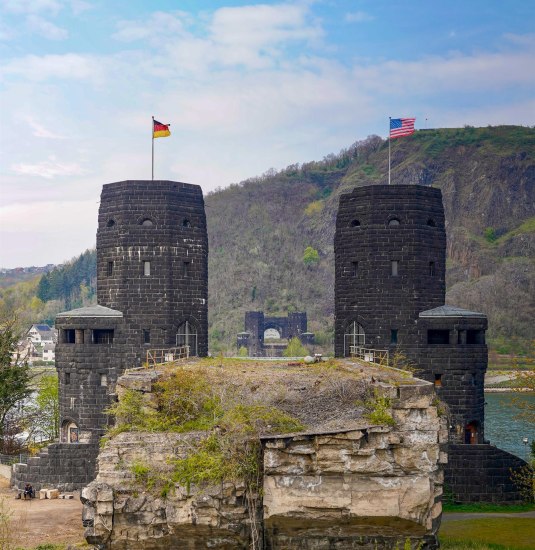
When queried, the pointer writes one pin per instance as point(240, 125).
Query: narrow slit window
point(473, 379)
point(438, 380)
point(185, 269)
point(432, 269)
point(109, 270)
point(146, 336)
point(394, 336)
point(67, 378)
point(146, 269)
point(354, 269)
point(103, 379)
point(395, 266)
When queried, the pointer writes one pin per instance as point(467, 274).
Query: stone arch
point(271, 326)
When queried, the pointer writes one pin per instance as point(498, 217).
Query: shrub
point(310, 256)
point(378, 410)
point(295, 348)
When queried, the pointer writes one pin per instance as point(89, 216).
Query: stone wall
point(367, 486)
point(482, 473)
point(67, 467)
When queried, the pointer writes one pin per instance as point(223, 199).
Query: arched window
point(431, 222)
point(147, 222)
point(354, 336)
point(186, 223)
point(355, 223)
point(187, 336)
point(393, 222)
point(110, 223)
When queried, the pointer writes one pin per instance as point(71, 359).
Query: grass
point(496, 533)
point(486, 507)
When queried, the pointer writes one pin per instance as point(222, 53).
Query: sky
point(245, 86)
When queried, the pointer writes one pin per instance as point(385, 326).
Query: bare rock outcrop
point(367, 485)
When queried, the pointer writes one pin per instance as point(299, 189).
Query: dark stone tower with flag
point(152, 292)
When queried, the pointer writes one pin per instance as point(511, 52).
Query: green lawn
point(497, 533)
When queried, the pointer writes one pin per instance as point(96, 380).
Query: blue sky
point(246, 87)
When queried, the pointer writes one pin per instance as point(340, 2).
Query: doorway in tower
point(187, 336)
point(69, 432)
point(471, 433)
point(354, 336)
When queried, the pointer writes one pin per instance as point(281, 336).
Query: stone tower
point(152, 264)
point(152, 292)
point(390, 257)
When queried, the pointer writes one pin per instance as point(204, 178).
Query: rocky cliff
point(361, 473)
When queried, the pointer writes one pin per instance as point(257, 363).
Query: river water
point(503, 428)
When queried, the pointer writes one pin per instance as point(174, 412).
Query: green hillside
point(259, 231)
point(260, 228)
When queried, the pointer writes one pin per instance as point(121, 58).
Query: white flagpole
point(152, 133)
point(389, 122)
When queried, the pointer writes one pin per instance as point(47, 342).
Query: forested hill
point(259, 229)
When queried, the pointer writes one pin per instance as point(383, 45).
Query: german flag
point(159, 129)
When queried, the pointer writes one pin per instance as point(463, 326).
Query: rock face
point(368, 486)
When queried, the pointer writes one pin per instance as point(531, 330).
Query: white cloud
point(79, 6)
point(358, 17)
point(479, 72)
point(68, 66)
point(31, 6)
point(48, 169)
point(40, 131)
point(261, 25)
point(45, 28)
point(159, 27)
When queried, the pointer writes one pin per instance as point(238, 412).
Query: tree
point(295, 348)
point(310, 256)
point(43, 414)
point(14, 378)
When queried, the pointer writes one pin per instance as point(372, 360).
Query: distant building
point(269, 336)
point(41, 334)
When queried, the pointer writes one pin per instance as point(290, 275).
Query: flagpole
point(389, 123)
point(152, 133)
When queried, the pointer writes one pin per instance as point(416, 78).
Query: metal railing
point(162, 356)
point(370, 355)
point(8, 460)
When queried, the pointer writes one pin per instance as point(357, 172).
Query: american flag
point(401, 127)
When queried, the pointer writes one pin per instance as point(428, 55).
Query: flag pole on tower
point(158, 130)
point(399, 127)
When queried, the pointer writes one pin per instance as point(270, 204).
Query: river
point(502, 426)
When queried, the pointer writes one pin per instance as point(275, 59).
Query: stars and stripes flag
point(400, 127)
point(160, 130)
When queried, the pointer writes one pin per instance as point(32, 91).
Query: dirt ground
point(34, 522)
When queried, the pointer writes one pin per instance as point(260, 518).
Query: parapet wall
point(63, 466)
point(482, 473)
